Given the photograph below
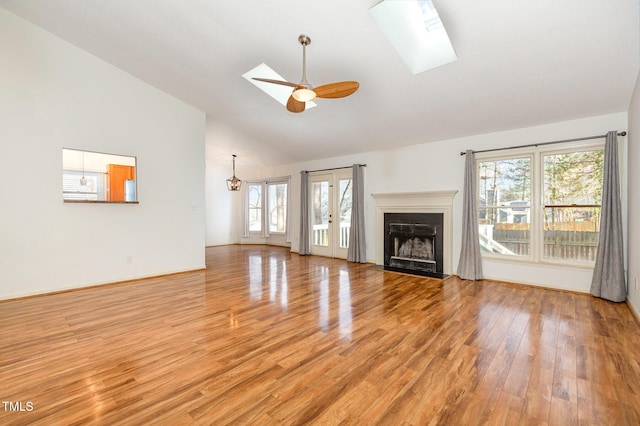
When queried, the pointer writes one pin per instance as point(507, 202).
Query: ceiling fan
point(305, 92)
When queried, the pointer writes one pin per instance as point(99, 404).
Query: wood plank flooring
point(264, 336)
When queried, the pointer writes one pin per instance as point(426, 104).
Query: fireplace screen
point(413, 246)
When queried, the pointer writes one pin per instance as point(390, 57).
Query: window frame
point(265, 184)
point(249, 208)
point(536, 251)
point(268, 206)
point(532, 199)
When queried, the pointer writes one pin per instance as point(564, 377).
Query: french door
point(330, 213)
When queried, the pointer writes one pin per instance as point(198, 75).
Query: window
point(541, 205)
point(572, 199)
point(344, 206)
point(255, 207)
point(273, 204)
point(505, 206)
point(277, 203)
point(87, 186)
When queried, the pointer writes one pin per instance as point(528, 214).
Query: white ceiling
point(520, 63)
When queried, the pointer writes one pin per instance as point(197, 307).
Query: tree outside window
point(504, 213)
point(572, 204)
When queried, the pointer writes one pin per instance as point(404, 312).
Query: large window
point(542, 205)
point(267, 206)
point(572, 194)
point(505, 205)
point(277, 203)
point(254, 204)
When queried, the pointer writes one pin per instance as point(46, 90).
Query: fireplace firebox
point(413, 246)
point(413, 243)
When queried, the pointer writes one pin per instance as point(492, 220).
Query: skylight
point(276, 91)
point(430, 15)
point(416, 32)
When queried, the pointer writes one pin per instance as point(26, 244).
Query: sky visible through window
point(430, 15)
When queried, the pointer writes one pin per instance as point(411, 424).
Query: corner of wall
point(633, 191)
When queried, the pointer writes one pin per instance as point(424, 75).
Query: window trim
point(248, 184)
point(268, 208)
point(536, 252)
point(264, 231)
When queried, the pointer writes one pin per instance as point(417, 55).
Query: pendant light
point(233, 183)
point(83, 180)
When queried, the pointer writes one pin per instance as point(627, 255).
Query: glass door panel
point(343, 214)
point(320, 210)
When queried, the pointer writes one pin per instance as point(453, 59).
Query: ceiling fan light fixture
point(303, 94)
point(279, 92)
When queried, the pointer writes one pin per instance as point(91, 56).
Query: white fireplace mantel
point(417, 202)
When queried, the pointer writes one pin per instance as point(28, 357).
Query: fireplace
point(414, 210)
point(412, 246)
point(413, 242)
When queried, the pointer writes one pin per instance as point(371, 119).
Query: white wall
point(223, 206)
point(439, 166)
point(54, 95)
point(633, 235)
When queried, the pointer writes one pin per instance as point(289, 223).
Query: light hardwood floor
point(268, 337)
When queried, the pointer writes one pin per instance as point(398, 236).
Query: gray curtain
point(608, 274)
point(304, 244)
point(470, 263)
point(357, 251)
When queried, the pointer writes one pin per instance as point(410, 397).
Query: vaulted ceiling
point(520, 63)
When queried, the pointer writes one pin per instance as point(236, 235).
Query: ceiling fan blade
point(337, 90)
point(283, 83)
point(294, 105)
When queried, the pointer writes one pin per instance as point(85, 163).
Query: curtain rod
point(545, 143)
point(333, 168)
